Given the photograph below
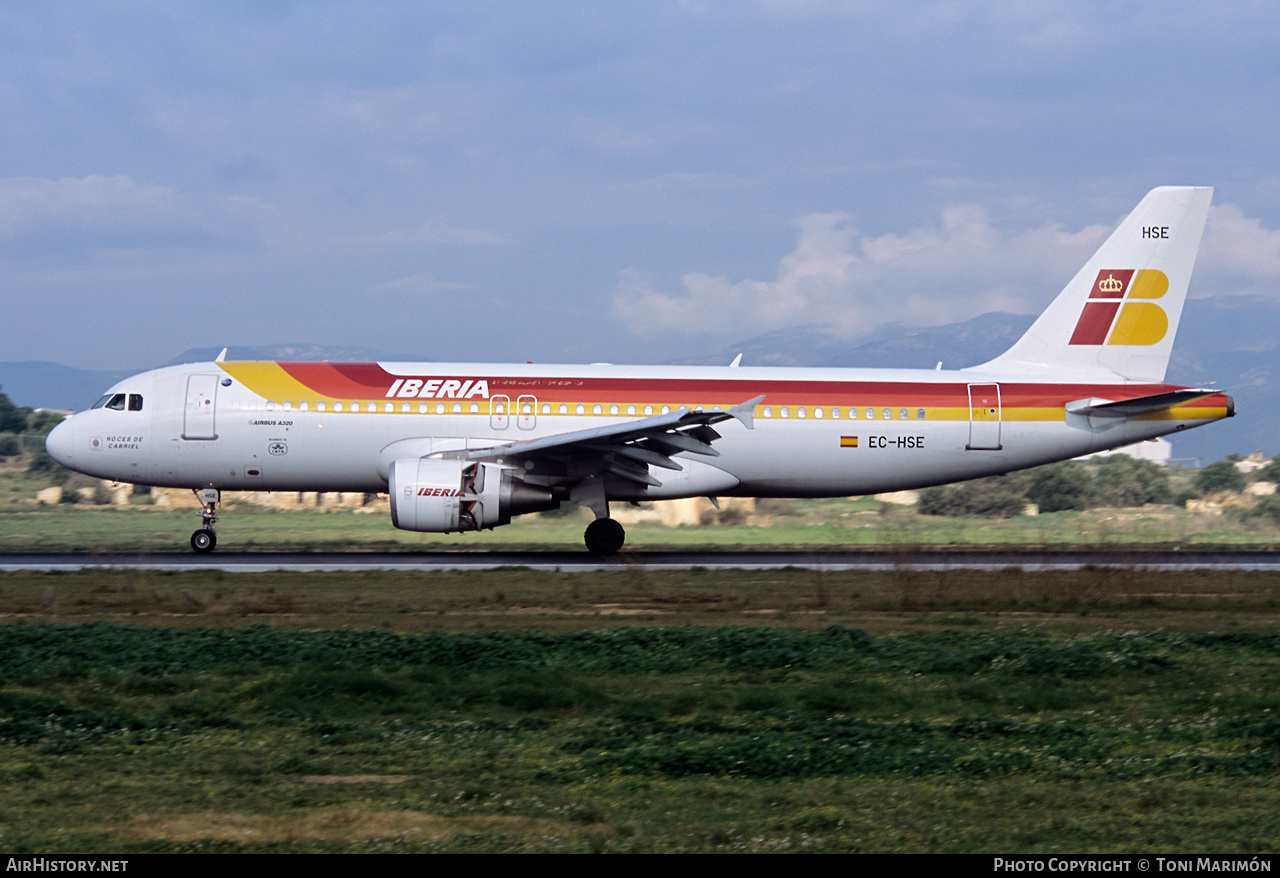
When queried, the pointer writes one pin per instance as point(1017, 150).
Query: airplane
point(465, 447)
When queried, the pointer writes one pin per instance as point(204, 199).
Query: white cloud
point(414, 238)
point(962, 267)
point(420, 285)
point(1237, 251)
point(99, 209)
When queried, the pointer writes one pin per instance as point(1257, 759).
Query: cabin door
point(984, 417)
point(197, 421)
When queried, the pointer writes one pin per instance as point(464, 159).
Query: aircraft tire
point(604, 536)
point(204, 540)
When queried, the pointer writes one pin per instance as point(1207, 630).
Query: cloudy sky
point(584, 181)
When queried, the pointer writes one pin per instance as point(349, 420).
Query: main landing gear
point(205, 539)
point(604, 536)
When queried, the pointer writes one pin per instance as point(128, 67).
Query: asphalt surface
point(580, 561)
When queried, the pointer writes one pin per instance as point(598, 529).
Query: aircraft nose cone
point(60, 442)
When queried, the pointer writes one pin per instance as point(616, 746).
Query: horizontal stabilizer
point(1132, 408)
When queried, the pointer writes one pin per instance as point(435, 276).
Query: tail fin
point(1117, 317)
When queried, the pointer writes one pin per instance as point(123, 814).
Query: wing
point(626, 450)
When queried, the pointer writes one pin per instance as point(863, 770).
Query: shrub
point(1060, 486)
point(1220, 476)
point(992, 497)
point(1126, 481)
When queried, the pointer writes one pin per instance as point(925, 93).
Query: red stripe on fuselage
point(371, 381)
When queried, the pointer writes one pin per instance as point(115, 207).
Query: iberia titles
point(438, 388)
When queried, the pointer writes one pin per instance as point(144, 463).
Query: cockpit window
point(135, 402)
point(116, 402)
point(102, 400)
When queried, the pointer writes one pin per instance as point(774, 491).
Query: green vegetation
point(1094, 710)
point(121, 739)
point(1220, 476)
point(1117, 481)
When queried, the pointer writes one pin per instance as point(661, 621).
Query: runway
point(581, 562)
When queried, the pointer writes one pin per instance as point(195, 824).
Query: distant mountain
point(288, 352)
point(894, 346)
point(49, 385)
point(1230, 340)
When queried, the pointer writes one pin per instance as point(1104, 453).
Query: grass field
point(791, 523)
point(634, 710)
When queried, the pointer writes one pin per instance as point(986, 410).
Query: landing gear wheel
point(604, 536)
point(204, 540)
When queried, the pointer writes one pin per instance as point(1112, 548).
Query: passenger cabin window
point(871, 413)
point(768, 411)
point(905, 414)
point(920, 414)
point(135, 402)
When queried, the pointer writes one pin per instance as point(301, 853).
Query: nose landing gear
point(205, 539)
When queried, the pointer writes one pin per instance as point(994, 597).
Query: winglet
point(746, 411)
point(737, 361)
point(221, 357)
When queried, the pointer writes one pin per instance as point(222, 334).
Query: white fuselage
point(817, 432)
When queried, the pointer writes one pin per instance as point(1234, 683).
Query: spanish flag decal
point(848, 441)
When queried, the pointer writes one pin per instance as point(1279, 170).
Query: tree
point(1220, 476)
point(12, 418)
point(1269, 473)
point(1126, 481)
point(992, 497)
point(1060, 486)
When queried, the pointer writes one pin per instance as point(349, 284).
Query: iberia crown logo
point(1112, 316)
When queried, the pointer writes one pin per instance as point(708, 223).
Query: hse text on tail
point(464, 447)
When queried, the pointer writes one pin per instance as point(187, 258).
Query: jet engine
point(442, 496)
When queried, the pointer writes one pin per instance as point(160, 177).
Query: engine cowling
point(443, 496)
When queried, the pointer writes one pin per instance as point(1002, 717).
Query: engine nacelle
point(442, 496)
